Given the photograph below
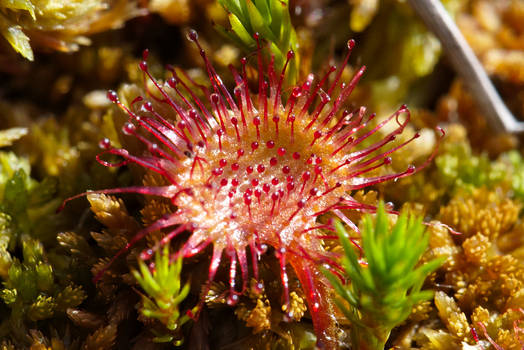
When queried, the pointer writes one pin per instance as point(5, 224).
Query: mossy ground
point(57, 103)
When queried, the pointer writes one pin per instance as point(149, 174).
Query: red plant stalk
point(249, 170)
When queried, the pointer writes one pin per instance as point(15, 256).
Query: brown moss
point(102, 339)
point(451, 315)
point(476, 249)
point(482, 211)
point(259, 317)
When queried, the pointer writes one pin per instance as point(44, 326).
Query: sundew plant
point(247, 170)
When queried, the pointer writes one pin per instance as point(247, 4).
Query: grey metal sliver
point(467, 65)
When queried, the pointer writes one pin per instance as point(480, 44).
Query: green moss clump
point(34, 286)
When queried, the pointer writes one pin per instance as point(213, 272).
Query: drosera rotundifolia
point(249, 170)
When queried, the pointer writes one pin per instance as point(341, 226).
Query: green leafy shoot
point(164, 293)
point(269, 18)
point(381, 295)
